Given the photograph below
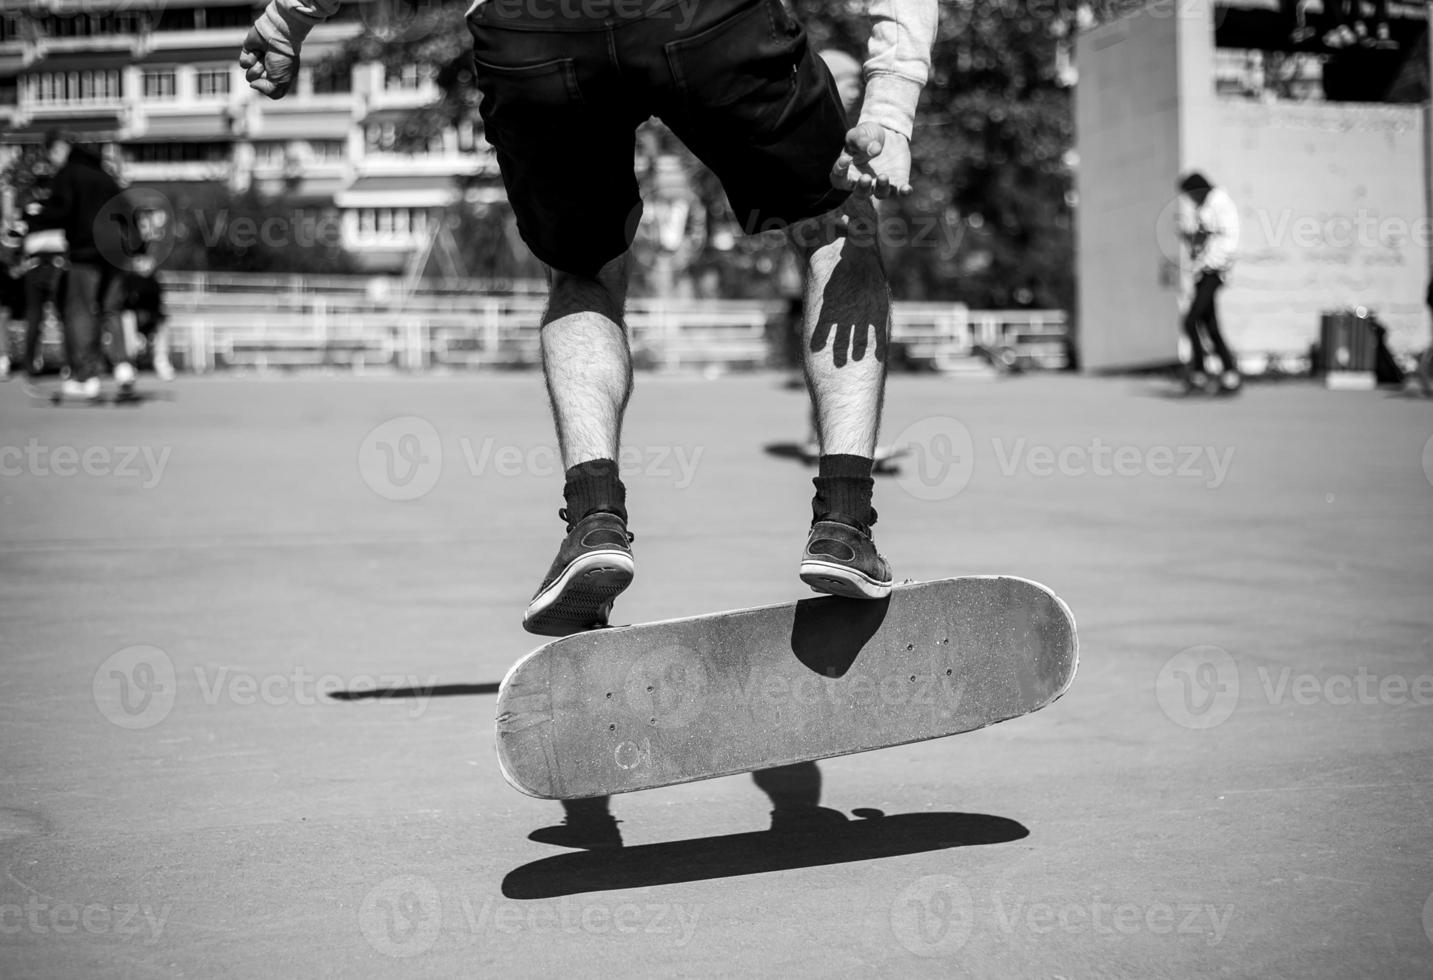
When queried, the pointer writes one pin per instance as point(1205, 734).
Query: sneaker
point(89, 390)
point(4, 368)
point(163, 369)
point(841, 559)
point(124, 374)
point(1230, 382)
point(592, 568)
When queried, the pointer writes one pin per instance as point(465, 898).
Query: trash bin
point(1348, 349)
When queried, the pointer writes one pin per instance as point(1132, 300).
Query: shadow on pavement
point(436, 691)
point(875, 836)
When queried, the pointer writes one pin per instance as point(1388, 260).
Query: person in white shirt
point(564, 85)
point(1209, 226)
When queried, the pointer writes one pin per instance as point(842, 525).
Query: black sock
point(592, 486)
point(843, 490)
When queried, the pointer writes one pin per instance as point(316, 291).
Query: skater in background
point(144, 315)
point(1209, 228)
point(94, 289)
point(36, 273)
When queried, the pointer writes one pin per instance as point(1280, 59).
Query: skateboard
point(54, 394)
point(622, 709)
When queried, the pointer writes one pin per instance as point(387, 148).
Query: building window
point(329, 151)
point(403, 78)
point(330, 78)
point(159, 84)
point(391, 225)
point(211, 83)
point(177, 152)
point(76, 86)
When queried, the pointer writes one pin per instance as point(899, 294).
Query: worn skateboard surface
point(636, 707)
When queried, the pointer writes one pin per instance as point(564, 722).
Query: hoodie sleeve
point(285, 23)
point(897, 61)
point(1223, 228)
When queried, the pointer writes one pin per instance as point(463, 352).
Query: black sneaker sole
point(833, 579)
point(581, 597)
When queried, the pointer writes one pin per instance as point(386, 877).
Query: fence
point(227, 321)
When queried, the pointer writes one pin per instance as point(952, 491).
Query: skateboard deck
point(629, 708)
point(54, 394)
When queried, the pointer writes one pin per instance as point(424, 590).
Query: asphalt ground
point(201, 593)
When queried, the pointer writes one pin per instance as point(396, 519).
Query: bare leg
point(847, 326)
point(587, 361)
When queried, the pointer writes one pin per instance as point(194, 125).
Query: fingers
point(865, 141)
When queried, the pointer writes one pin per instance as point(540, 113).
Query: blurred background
point(361, 222)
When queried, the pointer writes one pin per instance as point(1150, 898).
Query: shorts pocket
point(742, 69)
point(525, 89)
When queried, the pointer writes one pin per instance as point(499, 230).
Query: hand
point(876, 162)
point(268, 70)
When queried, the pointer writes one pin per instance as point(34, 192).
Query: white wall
point(1127, 135)
point(1332, 215)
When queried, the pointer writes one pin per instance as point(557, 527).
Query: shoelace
point(562, 513)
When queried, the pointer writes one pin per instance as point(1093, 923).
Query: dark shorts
point(734, 80)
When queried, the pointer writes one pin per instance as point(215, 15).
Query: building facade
point(159, 79)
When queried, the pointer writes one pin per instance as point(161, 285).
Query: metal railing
point(230, 321)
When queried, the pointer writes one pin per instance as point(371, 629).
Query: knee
point(604, 293)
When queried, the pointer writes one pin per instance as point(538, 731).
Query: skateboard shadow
point(437, 691)
point(701, 859)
